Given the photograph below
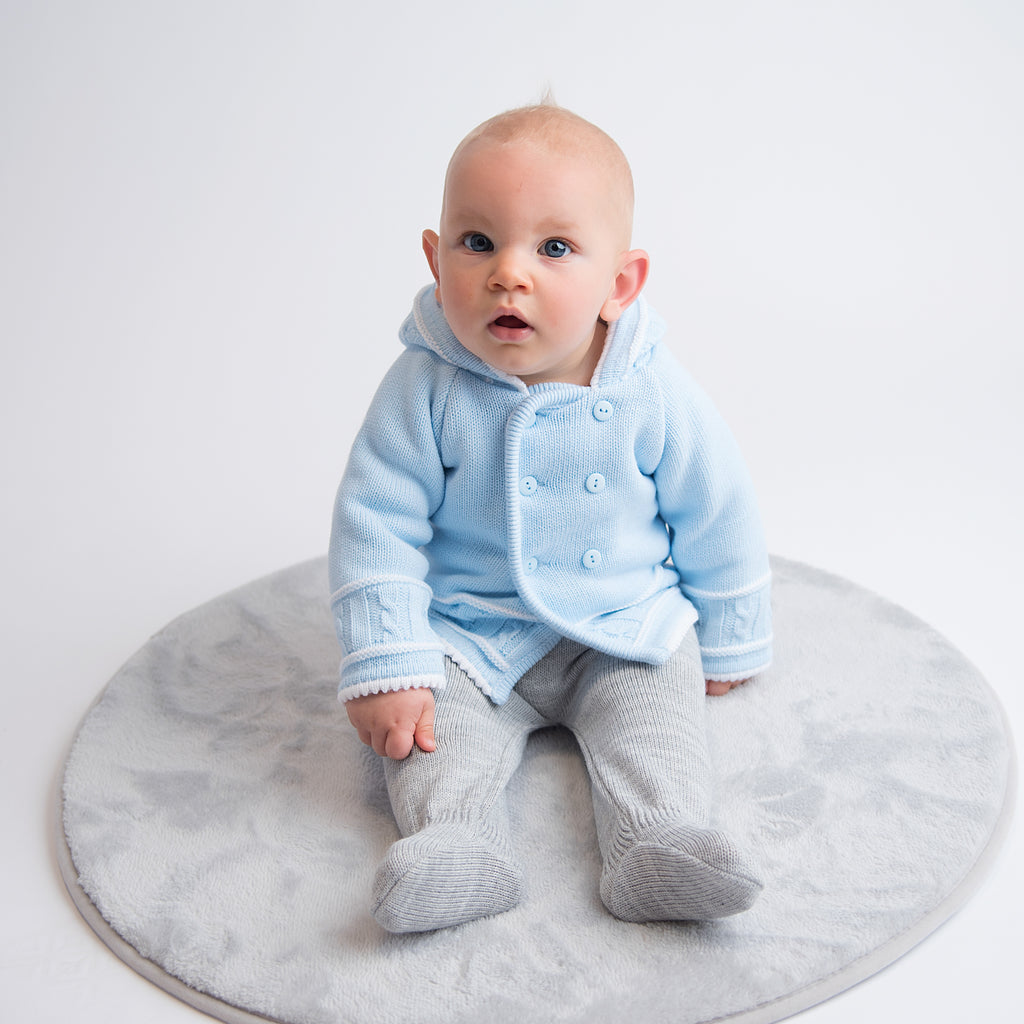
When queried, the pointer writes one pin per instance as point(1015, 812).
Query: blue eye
point(555, 248)
point(477, 242)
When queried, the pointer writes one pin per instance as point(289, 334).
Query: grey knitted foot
point(678, 873)
point(443, 876)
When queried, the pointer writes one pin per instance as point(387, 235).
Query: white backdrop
point(209, 233)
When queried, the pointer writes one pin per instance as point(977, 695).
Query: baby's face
point(527, 259)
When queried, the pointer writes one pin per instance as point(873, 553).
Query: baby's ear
point(431, 242)
point(430, 246)
point(629, 282)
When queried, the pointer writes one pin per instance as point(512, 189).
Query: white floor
point(209, 232)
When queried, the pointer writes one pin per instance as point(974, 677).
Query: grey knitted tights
point(641, 729)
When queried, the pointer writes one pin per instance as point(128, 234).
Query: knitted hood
point(629, 344)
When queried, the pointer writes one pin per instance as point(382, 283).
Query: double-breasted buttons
point(594, 483)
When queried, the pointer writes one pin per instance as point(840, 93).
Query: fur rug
point(223, 823)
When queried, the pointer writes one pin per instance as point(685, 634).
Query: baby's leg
point(642, 730)
point(455, 862)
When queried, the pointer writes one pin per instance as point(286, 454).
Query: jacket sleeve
point(706, 497)
point(393, 483)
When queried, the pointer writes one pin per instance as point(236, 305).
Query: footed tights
point(641, 729)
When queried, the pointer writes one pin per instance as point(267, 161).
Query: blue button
point(591, 558)
point(603, 411)
point(532, 564)
point(528, 485)
point(595, 483)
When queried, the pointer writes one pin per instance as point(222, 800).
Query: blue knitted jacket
point(485, 519)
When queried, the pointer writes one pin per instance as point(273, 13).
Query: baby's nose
point(509, 272)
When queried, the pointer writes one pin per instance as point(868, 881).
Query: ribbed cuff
point(364, 689)
point(726, 668)
point(386, 667)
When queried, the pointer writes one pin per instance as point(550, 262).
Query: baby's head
point(547, 129)
point(532, 260)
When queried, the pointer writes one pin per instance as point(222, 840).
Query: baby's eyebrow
point(463, 219)
point(559, 227)
point(553, 226)
point(466, 220)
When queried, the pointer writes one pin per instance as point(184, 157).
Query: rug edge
point(212, 1006)
point(883, 957)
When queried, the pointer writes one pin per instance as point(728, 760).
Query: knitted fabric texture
point(485, 519)
point(643, 734)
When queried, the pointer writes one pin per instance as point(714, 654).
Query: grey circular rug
point(221, 824)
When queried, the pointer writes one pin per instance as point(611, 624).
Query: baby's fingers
point(425, 732)
point(719, 689)
point(397, 743)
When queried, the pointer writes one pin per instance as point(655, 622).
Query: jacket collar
point(628, 343)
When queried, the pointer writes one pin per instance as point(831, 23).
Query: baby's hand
point(716, 689)
point(392, 723)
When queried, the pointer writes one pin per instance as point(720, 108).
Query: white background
point(209, 233)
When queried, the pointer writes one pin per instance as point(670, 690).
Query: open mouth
point(512, 322)
point(510, 329)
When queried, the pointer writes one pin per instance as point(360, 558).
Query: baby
point(544, 521)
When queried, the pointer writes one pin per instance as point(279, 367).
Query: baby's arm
point(706, 497)
point(393, 722)
point(393, 484)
